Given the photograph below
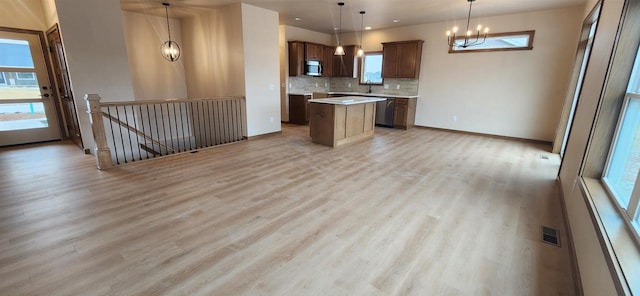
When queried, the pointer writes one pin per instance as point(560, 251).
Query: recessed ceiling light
point(367, 28)
point(396, 21)
point(297, 19)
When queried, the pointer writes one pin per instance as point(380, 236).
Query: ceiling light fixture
point(468, 40)
point(339, 48)
point(360, 50)
point(170, 49)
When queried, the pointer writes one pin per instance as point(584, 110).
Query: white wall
point(289, 33)
point(261, 69)
point(153, 77)
point(213, 53)
point(96, 54)
point(595, 276)
point(507, 93)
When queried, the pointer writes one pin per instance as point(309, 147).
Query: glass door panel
point(27, 111)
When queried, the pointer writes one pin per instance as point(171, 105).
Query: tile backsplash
point(395, 86)
point(306, 84)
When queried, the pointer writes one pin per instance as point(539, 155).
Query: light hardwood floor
point(417, 212)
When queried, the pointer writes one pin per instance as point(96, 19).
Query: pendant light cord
point(166, 12)
point(469, 16)
point(340, 27)
point(361, 27)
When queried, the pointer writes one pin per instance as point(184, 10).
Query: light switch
point(386, 86)
point(398, 86)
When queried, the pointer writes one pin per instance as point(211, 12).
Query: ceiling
point(323, 15)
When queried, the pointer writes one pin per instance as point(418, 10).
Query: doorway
point(70, 123)
point(580, 67)
point(27, 110)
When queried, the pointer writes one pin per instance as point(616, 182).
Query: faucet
point(369, 88)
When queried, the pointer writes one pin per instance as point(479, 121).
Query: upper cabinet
point(300, 52)
point(296, 58)
point(327, 71)
point(401, 59)
point(314, 52)
point(343, 65)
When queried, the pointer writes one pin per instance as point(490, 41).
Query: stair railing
point(131, 131)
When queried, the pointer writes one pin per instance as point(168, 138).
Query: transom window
point(499, 42)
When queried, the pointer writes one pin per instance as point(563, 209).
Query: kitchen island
point(339, 121)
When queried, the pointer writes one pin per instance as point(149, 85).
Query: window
point(26, 76)
point(3, 80)
point(499, 42)
point(371, 71)
point(623, 162)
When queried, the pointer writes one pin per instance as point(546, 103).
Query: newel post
point(102, 151)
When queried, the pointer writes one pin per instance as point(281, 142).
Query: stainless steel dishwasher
point(384, 112)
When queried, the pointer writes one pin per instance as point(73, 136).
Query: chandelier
point(170, 49)
point(470, 38)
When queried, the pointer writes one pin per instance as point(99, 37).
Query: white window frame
point(631, 211)
point(4, 79)
point(33, 76)
point(362, 81)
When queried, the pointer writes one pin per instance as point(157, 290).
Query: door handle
point(46, 95)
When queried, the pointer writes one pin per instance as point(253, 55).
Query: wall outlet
point(326, 84)
point(271, 119)
point(289, 84)
point(454, 118)
point(386, 86)
point(349, 84)
point(316, 84)
point(398, 86)
point(272, 87)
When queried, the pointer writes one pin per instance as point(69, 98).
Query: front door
point(27, 111)
point(67, 103)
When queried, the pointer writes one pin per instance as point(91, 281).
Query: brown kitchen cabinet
point(327, 70)
point(401, 59)
point(296, 58)
point(343, 65)
point(299, 109)
point(404, 113)
point(314, 51)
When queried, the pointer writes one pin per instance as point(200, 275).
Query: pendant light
point(469, 39)
point(360, 50)
point(340, 49)
point(170, 49)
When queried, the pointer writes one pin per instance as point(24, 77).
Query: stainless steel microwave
point(313, 68)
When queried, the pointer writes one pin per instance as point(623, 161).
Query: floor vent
point(550, 236)
point(544, 156)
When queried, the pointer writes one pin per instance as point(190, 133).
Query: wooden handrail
point(166, 101)
point(139, 133)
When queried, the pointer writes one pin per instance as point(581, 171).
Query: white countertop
point(370, 95)
point(352, 100)
point(301, 94)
